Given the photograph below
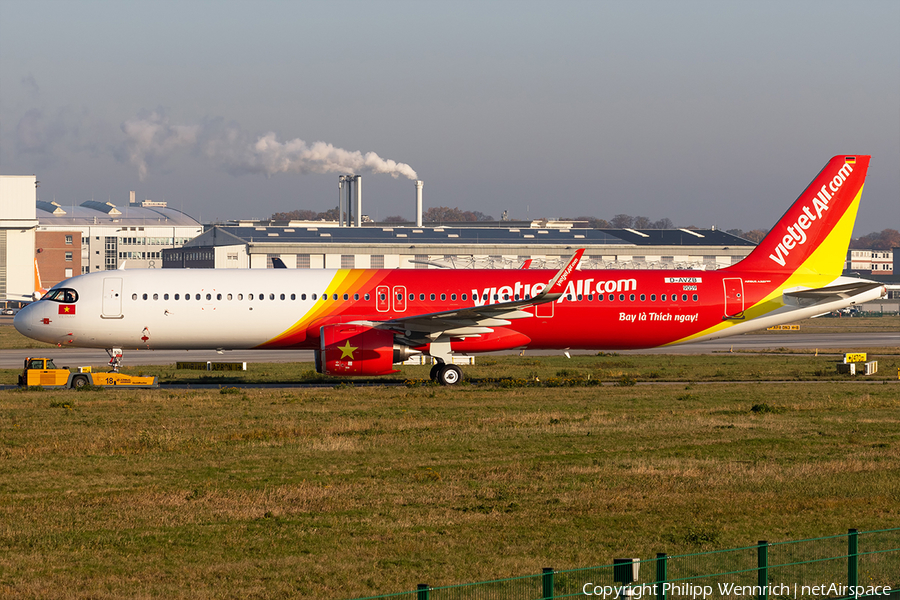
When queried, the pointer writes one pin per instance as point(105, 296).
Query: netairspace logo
point(730, 590)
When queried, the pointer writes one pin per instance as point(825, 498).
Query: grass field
point(344, 492)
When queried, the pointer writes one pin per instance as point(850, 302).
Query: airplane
point(364, 321)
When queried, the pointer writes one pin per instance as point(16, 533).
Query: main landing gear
point(446, 374)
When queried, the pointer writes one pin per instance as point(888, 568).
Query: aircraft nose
point(23, 320)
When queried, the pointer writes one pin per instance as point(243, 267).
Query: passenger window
point(382, 296)
point(643, 297)
point(282, 296)
point(218, 296)
point(134, 296)
point(580, 297)
point(145, 296)
point(334, 296)
point(496, 297)
point(209, 296)
point(684, 297)
point(356, 296)
point(663, 298)
point(590, 297)
point(695, 297)
point(240, 296)
point(165, 296)
point(366, 296)
point(156, 296)
point(464, 297)
point(303, 296)
point(293, 296)
point(313, 296)
point(177, 297)
point(484, 297)
point(568, 296)
point(432, 296)
point(229, 296)
point(272, 297)
point(197, 297)
point(187, 296)
point(421, 296)
point(652, 297)
point(412, 296)
point(443, 297)
point(621, 297)
point(249, 296)
point(399, 296)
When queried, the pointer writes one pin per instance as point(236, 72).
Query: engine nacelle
point(348, 349)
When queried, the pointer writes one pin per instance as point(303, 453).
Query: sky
point(707, 113)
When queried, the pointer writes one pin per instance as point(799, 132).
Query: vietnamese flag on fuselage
point(67, 309)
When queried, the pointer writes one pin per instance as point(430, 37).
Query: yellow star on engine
point(347, 350)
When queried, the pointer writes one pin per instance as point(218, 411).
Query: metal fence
point(853, 565)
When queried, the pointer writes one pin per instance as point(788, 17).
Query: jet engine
point(348, 349)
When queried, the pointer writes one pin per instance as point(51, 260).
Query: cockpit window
point(66, 295)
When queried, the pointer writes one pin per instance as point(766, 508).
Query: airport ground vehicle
point(43, 372)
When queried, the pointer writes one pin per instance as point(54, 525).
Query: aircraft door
point(399, 298)
point(545, 310)
point(382, 298)
point(734, 297)
point(112, 298)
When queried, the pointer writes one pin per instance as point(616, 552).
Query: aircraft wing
point(477, 320)
point(837, 292)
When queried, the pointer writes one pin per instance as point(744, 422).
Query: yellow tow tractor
point(42, 372)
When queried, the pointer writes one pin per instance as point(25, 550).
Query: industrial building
point(352, 243)
point(100, 236)
point(456, 247)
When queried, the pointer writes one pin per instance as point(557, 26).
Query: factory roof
point(467, 236)
point(146, 214)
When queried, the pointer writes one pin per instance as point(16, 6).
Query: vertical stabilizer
point(814, 234)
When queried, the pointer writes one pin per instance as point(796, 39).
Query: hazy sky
point(709, 113)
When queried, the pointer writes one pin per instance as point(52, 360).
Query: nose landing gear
point(115, 358)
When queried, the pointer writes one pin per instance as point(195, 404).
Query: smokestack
point(419, 184)
point(358, 217)
point(340, 200)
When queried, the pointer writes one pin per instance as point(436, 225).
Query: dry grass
point(348, 492)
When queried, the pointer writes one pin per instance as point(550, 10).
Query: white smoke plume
point(151, 138)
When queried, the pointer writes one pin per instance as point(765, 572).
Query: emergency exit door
point(734, 297)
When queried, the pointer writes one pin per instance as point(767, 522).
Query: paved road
point(832, 342)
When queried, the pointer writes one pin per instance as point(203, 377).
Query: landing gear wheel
point(449, 375)
point(435, 370)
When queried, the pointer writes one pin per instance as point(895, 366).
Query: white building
point(875, 262)
point(17, 226)
point(134, 234)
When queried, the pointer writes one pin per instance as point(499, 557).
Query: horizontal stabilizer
point(836, 292)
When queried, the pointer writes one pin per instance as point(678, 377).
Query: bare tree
point(622, 221)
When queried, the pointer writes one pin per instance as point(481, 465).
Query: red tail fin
point(814, 234)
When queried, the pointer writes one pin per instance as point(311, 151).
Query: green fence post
point(661, 576)
point(853, 558)
point(547, 581)
point(422, 591)
point(762, 573)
